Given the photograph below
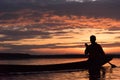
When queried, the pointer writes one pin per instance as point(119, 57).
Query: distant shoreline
point(28, 56)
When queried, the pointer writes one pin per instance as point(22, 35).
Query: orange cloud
point(30, 31)
point(26, 18)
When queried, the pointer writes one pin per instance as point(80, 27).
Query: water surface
point(107, 73)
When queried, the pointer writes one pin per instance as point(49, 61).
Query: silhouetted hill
point(28, 56)
point(13, 56)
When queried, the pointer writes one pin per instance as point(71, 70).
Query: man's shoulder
point(98, 44)
point(94, 44)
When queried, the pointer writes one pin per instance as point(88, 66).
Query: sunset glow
point(47, 32)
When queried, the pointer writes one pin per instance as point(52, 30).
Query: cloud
point(47, 45)
point(19, 35)
point(8, 16)
point(115, 44)
point(68, 37)
point(67, 15)
point(16, 35)
point(50, 21)
point(101, 8)
point(32, 2)
point(117, 37)
point(110, 32)
point(28, 48)
point(114, 29)
point(96, 9)
point(57, 22)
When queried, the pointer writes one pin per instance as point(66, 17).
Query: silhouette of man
point(94, 50)
point(95, 55)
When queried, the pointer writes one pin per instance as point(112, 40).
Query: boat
point(51, 67)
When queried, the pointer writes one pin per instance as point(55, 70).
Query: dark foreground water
point(107, 73)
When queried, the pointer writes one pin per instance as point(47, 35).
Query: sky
point(58, 26)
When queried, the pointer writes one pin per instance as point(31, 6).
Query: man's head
point(92, 39)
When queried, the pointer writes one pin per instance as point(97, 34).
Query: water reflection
point(41, 61)
point(99, 73)
point(104, 74)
